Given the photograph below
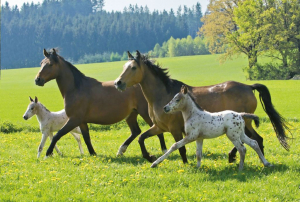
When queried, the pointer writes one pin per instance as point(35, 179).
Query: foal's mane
point(44, 107)
point(157, 70)
point(194, 101)
point(78, 75)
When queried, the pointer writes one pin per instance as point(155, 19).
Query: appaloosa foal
point(200, 124)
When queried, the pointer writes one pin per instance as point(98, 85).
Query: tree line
point(256, 28)
point(83, 29)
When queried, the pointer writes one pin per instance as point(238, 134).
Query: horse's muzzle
point(25, 117)
point(120, 85)
point(39, 81)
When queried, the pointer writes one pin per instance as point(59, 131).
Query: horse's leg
point(255, 135)
point(131, 121)
point(254, 145)
point(87, 139)
point(177, 134)
point(70, 125)
point(77, 138)
point(242, 150)
point(154, 130)
point(41, 146)
point(175, 146)
point(161, 138)
point(56, 148)
point(199, 143)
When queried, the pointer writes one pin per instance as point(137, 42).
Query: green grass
point(130, 178)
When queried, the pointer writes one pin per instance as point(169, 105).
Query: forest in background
point(82, 28)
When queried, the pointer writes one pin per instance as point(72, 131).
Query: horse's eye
point(133, 68)
point(32, 108)
point(177, 100)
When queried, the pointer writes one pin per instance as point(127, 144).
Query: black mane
point(78, 75)
point(194, 100)
point(161, 73)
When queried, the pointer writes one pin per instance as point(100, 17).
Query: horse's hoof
point(231, 159)
point(153, 158)
point(93, 154)
point(153, 165)
point(122, 150)
point(269, 165)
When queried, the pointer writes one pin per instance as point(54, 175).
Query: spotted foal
point(200, 124)
point(49, 123)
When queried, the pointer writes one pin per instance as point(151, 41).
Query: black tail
point(251, 116)
point(278, 122)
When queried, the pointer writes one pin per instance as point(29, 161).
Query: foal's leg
point(175, 146)
point(235, 139)
point(87, 139)
point(199, 143)
point(154, 130)
point(254, 145)
point(56, 148)
point(70, 125)
point(131, 121)
point(77, 138)
point(44, 138)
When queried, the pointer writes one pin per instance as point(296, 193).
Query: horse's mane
point(157, 70)
point(78, 75)
point(194, 100)
point(43, 107)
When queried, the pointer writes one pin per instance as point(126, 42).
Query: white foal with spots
point(200, 124)
point(49, 123)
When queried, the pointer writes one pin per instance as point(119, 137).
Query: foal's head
point(178, 102)
point(132, 74)
point(31, 109)
point(49, 68)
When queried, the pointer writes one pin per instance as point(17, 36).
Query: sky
point(118, 5)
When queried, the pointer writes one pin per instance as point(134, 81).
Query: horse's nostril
point(119, 82)
point(38, 79)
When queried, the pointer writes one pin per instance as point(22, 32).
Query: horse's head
point(49, 68)
point(132, 74)
point(31, 109)
point(178, 102)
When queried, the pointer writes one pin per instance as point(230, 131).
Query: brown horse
point(87, 100)
point(159, 89)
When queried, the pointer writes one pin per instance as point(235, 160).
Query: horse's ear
point(138, 55)
point(130, 57)
point(31, 100)
point(54, 51)
point(46, 54)
point(35, 99)
point(184, 89)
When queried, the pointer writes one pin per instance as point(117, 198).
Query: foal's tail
point(251, 116)
point(279, 123)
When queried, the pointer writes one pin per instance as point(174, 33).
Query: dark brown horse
point(159, 89)
point(87, 100)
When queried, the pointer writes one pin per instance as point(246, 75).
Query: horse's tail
point(251, 116)
point(278, 122)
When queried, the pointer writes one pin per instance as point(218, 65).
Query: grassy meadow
point(72, 177)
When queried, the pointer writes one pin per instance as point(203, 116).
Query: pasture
point(129, 178)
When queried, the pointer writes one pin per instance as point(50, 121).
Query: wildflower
point(239, 190)
point(180, 171)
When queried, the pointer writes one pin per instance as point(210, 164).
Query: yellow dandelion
point(275, 177)
point(180, 171)
point(95, 180)
point(40, 181)
point(239, 190)
point(65, 182)
point(124, 180)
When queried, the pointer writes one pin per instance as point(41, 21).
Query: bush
point(268, 71)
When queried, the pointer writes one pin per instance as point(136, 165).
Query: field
point(129, 178)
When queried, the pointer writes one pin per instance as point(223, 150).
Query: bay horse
point(200, 124)
point(159, 89)
point(87, 100)
point(49, 122)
